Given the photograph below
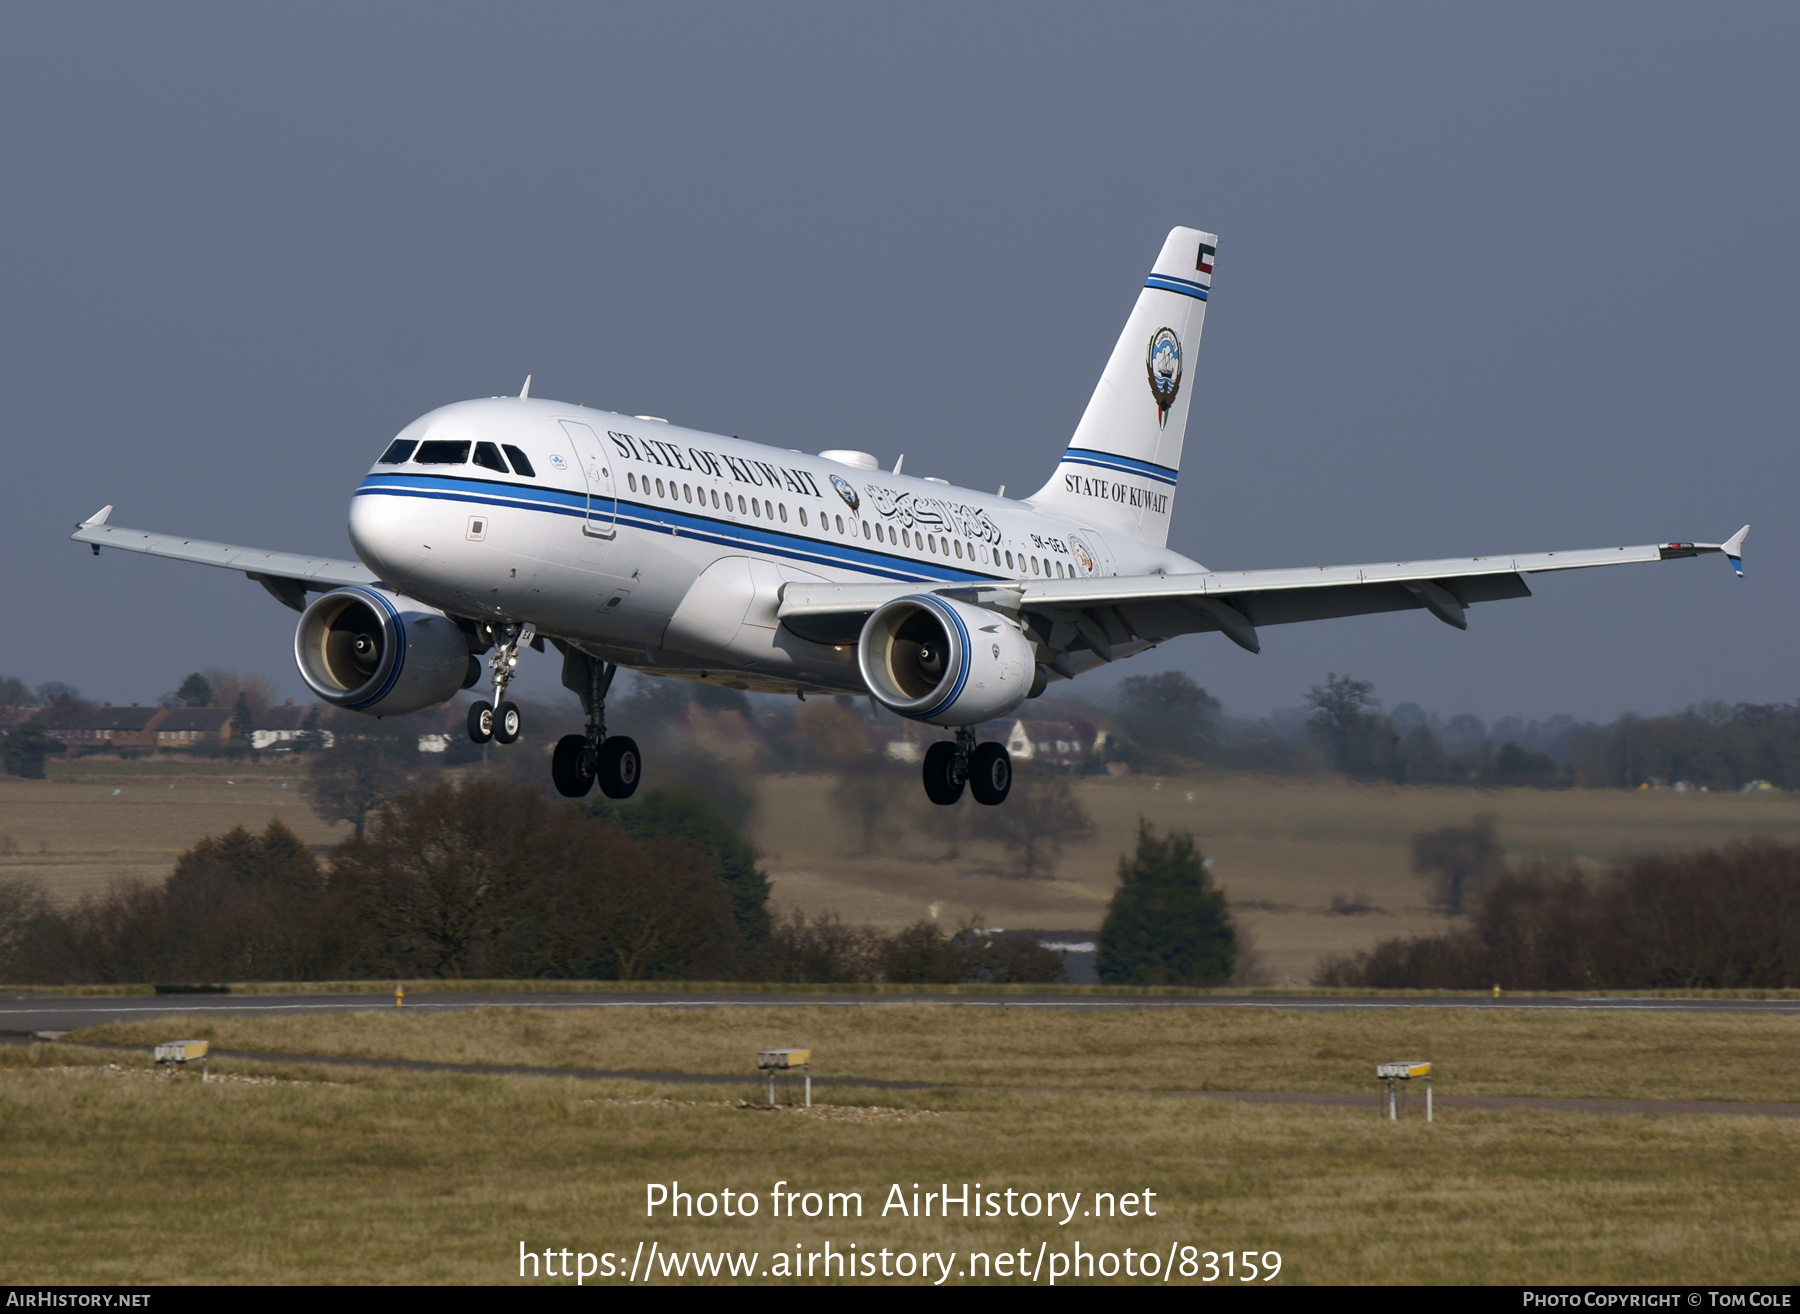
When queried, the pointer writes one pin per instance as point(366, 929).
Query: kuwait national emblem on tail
point(1163, 361)
point(1163, 364)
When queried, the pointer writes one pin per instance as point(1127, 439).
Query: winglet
point(99, 517)
point(1734, 550)
point(526, 390)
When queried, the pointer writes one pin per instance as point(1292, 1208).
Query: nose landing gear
point(499, 719)
point(985, 769)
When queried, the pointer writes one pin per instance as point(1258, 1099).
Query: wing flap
point(1087, 613)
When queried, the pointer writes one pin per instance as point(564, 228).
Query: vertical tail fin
point(1119, 471)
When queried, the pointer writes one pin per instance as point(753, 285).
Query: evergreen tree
point(311, 735)
point(195, 691)
point(25, 749)
point(243, 720)
point(1167, 924)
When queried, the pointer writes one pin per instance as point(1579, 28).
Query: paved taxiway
point(32, 1014)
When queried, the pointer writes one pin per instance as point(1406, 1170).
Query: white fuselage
point(665, 548)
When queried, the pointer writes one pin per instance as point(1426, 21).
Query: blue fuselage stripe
point(659, 519)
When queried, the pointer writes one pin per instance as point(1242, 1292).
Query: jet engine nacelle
point(944, 662)
point(373, 651)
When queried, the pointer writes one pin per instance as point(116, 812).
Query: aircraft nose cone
point(389, 533)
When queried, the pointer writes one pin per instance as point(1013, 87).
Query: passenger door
point(596, 468)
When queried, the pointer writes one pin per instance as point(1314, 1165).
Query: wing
point(1102, 615)
point(288, 576)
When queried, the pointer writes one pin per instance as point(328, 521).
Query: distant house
point(905, 742)
point(185, 727)
point(1053, 743)
point(103, 727)
point(276, 727)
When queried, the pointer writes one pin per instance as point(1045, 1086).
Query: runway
point(35, 1014)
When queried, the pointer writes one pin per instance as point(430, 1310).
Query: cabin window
point(715, 498)
point(959, 551)
point(840, 523)
point(631, 479)
point(1009, 564)
point(1034, 569)
point(659, 488)
point(520, 462)
point(803, 516)
point(783, 509)
point(397, 452)
point(687, 493)
point(487, 455)
point(865, 530)
point(756, 507)
point(442, 452)
point(905, 539)
point(930, 543)
point(893, 538)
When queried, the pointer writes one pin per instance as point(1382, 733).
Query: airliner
point(491, 526)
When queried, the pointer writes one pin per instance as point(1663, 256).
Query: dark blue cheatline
point(1123, 464)
point(1169, 283)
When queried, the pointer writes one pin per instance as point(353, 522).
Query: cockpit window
point(397, 452)
point(520, 463)
point(486, 454)
point(442, 452)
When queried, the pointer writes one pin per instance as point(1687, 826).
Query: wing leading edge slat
point(315, 573)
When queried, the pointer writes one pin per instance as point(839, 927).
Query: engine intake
point(944, 662)
point(373, 651)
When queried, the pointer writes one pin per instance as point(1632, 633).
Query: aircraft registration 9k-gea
point(494, 525)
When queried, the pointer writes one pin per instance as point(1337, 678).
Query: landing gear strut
point(582, 759)
point(498, 719)
point(986, 770)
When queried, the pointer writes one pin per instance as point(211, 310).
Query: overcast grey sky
point(1490, 278)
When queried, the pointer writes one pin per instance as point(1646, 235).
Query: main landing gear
point(581, 760)
point(985, 768)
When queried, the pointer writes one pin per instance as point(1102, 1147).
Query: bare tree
point(1040, 818)
point(1460, 861)
point(438, 873)
point(365, 767)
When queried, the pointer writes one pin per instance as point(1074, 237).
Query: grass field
point(1281, 848)
point(1477, 1051)
point(113, 1176)
point(96, 821)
